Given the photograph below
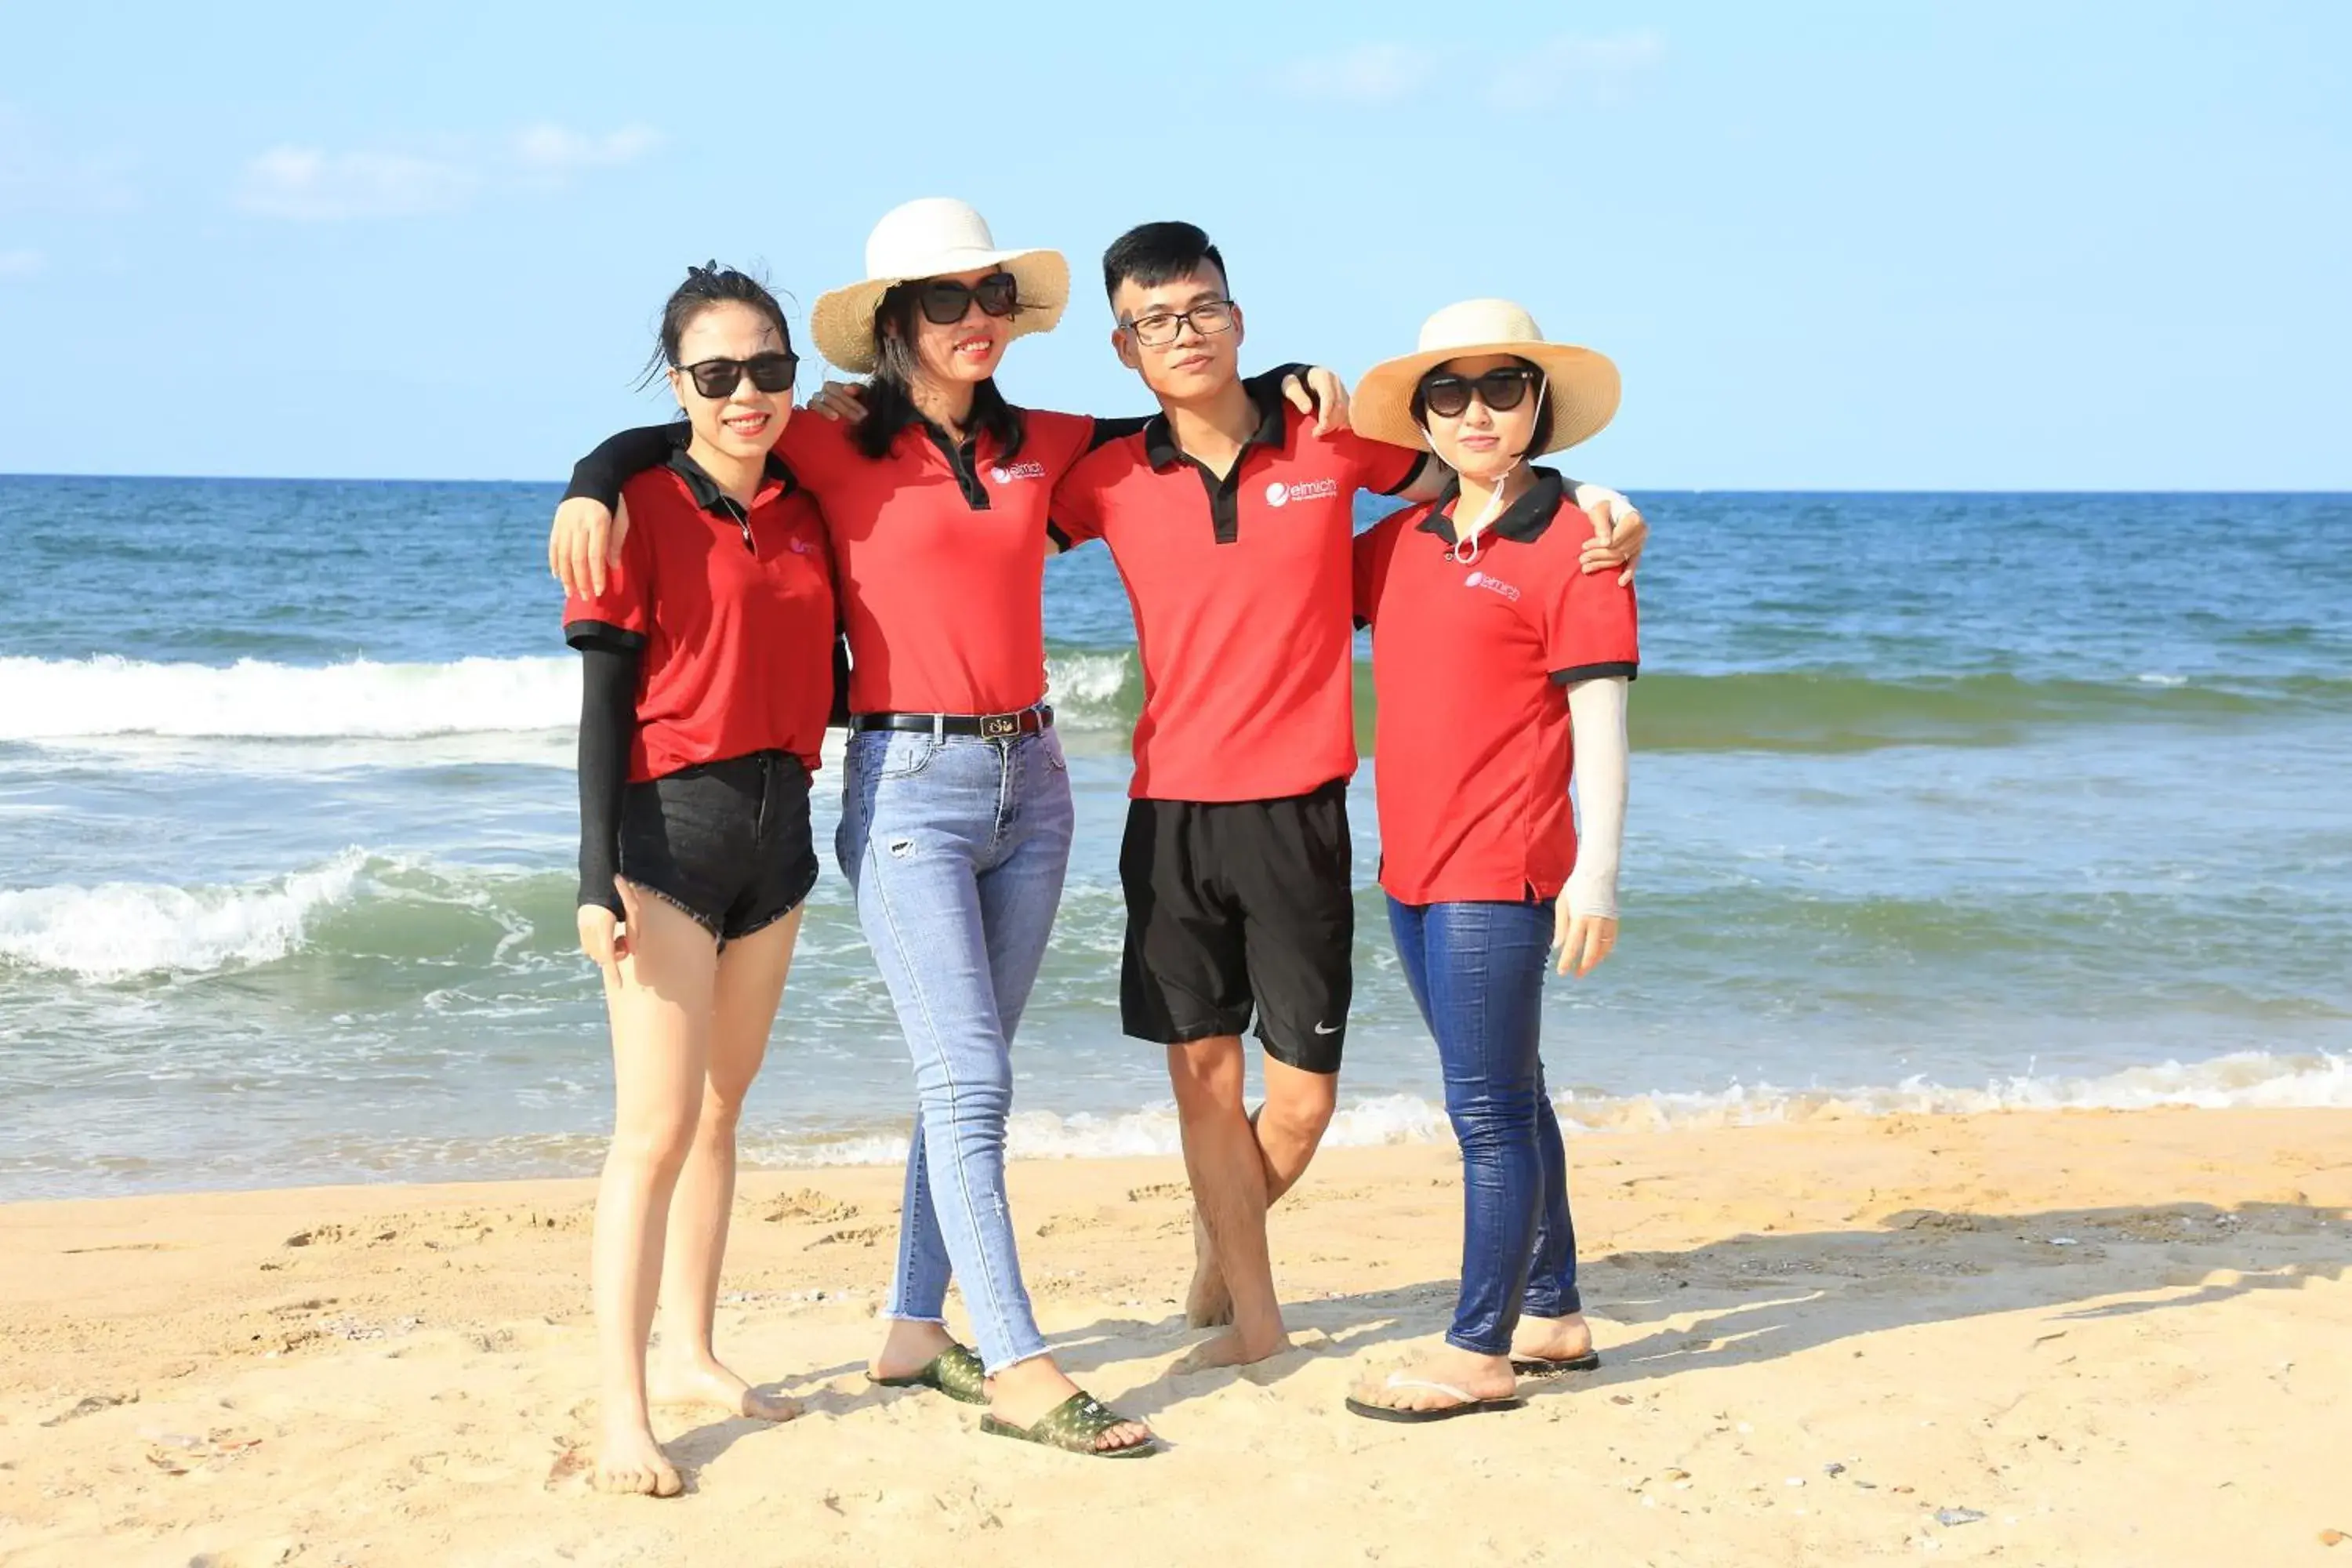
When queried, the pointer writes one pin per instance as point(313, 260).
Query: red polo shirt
point(940, 553)
point(1241, 594)
point(1471, 661)
point(737, 639)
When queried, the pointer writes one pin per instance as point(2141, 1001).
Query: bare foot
point(1207, 1303)
point(1231, 1348)
point(1028, 1391)
point(908, 1348)
point(710, 1383)
point(1479, 1377)
point(1552, 1339)
point(630, 1462)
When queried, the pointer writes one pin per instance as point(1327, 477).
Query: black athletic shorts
point(727, 842)
point(1240, 908)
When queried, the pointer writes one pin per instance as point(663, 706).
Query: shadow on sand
point(1755, 1297)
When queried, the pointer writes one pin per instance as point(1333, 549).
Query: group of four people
point(742, 577)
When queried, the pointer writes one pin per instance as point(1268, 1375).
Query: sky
point(1869, 245)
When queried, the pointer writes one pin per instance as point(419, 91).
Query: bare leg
point(660, 1011)
point(1287, 1129)
point(1228, 1171)
point(1291, 1123)
point(751, 984)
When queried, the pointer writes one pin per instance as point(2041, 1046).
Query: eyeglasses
point(1501, 390)
point(720, 377)
point(1161, 328)
point(945, 301)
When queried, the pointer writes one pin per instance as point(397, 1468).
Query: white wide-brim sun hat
point(935, 236)
point(1581, 385)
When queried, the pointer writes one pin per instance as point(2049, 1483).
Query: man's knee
point(1298, 1108)
point(1207, 1076)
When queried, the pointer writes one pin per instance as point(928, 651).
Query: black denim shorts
point(727, 842)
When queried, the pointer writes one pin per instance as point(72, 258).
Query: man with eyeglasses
point(1230, 517)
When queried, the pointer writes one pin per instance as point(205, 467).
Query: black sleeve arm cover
point(598, 476)
point(608, 723)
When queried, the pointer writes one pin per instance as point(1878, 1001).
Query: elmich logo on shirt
point(1491, 584)
point(1279, 494)
point(1005, 473)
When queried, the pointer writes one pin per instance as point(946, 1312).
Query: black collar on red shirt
point(964, 462)
point(1160, 449)
point(706, 490)
point(1522, 522)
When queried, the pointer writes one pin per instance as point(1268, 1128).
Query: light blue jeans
point(956, 848)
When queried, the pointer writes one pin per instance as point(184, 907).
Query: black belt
point(989, 726)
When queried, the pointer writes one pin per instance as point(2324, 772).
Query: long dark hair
point(891, 401)
point(705, 286)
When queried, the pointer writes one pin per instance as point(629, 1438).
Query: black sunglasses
point(1501, 389)
point(720, 377)
point(945, 301)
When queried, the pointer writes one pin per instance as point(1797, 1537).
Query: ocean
point(1940, 802)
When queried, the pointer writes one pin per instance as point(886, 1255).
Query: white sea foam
point(1085, 687)
point(118, 930)
point(2245, 1079)
point(55, 699)
point(109, 696)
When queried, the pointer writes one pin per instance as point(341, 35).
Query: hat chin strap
point(1494, 496)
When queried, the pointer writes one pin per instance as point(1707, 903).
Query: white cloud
point(555, 150)
point(312, 186)
point(309, 185)
point(1366, 74)
point(1557, 69)
point(21, 263)
point(1536, 75)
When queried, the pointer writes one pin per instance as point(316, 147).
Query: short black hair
point(1537, 439)
point(1156, 253)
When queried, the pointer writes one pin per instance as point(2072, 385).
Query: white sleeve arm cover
point(1597, 710)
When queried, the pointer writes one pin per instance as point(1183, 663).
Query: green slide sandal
point(1073, 1427)
point(955, 1372)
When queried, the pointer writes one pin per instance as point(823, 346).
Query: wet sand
point(2046, 1338)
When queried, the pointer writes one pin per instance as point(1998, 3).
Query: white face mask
point(1477, 530)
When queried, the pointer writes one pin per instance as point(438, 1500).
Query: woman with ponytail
point(706, 680)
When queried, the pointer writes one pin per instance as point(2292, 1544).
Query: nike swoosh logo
point(1322, 1029)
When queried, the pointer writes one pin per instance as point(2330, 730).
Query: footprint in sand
point(251, 1555)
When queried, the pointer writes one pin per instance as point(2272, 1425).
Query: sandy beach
point(2049, 1338)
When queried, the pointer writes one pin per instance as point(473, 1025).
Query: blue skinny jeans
point(1477, 973)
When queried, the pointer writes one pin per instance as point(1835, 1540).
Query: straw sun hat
point(1580, 386)
point(933, 237)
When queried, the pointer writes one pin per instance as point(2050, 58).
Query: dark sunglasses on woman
point(720, 377)
point(1501, 390)
point(945, 301)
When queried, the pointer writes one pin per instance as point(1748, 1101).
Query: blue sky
point(1857, 246)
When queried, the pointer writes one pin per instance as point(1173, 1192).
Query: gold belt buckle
point(1000, 724)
